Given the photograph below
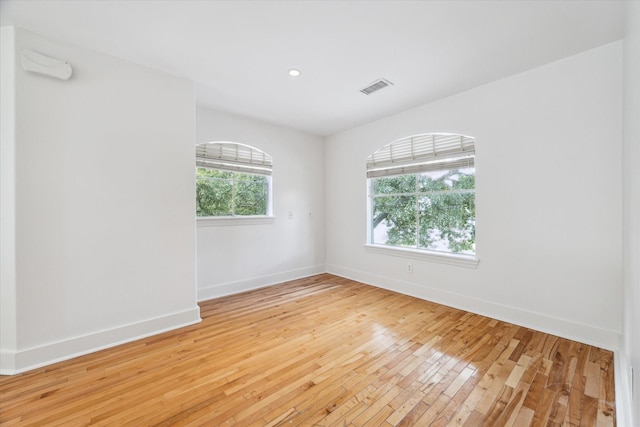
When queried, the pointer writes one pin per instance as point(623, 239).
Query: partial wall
point(549, 197)
point(237, 256)
point(101, 183)
point(629, 368)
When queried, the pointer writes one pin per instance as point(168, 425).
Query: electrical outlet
point(409, 268)
point(290, 214)
point(310, 215)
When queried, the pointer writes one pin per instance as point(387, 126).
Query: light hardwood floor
point(324, 351)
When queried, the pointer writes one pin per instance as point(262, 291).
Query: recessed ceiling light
point(294, 73)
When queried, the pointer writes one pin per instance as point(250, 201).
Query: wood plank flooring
point(324, 351)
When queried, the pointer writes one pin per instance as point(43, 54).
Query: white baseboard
point(230, 288)
point(31, 358)
point(561, 327)
point(622, 390)
point(24, 360)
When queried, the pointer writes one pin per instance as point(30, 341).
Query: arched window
point(232, 180)
point(422, 194)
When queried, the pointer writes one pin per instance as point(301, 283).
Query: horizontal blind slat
point(233, 168)
point(420, 168)
point(234, 157)
point(421, 148)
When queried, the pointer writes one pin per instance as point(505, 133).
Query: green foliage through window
point(226, 193)
point(431, 210)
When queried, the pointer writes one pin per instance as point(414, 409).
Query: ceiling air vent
point(377, 85)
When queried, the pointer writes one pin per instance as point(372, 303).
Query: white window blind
point(232, 156)
point(422, 153)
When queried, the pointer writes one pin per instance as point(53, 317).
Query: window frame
point(451, 258)
point(261, 167)
point(373, 172)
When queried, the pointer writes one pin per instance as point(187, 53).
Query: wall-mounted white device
point(41, 64)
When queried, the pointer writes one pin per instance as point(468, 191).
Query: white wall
point(104, 229)
point(8, 306)
point(234, 258)
point(548, 197)
point(630, 349)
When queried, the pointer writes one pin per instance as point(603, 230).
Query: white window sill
point(468, 261)
point(216, 221)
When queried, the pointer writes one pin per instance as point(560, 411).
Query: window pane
point(251, 195)
point(227, 193)
point(447, 222)
point(214, 197)
point(465, 179)
point(213, 173)
point(434, 181)
point(395, 184)
point(444, 180)
point(394, 220)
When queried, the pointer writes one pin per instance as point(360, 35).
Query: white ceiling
point(239, 52)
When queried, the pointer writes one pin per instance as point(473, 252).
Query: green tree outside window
point(227, 193)
point(431, 210)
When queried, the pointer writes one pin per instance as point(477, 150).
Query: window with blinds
point(422, 194)
point(232, 180)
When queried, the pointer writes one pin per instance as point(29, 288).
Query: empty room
point(320, 213)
